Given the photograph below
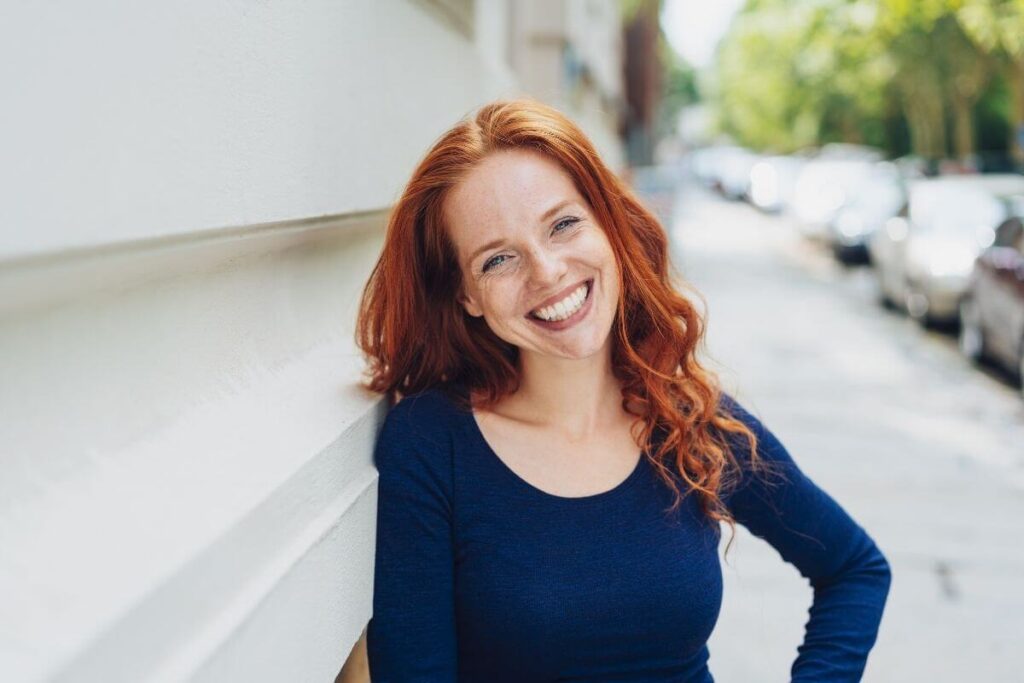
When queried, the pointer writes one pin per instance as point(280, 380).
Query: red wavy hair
point(416, 335)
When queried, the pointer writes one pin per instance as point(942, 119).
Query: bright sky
point(694, 27)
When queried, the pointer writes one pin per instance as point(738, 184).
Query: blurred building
point(570, 53)
point(193, 198)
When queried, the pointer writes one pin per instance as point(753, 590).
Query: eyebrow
point(546, 216)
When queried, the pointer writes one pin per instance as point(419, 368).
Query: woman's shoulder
point(427, 418)
point(772, 454)
point(433, 407)
point(730, 406)
point(774, 462)
point(414, 451)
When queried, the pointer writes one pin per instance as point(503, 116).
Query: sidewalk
point(923, 451)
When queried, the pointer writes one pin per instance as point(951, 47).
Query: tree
point(678, 88)
point(936, 63)
point(793, 74)
point(998, 27)
point(801, 72)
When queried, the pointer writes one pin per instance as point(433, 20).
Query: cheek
point(498, 299)
point(597, 244)
point(610, 266)
point(601, 255)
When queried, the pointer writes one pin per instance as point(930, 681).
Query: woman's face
point(530, 248)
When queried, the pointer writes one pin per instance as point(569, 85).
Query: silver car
point(824, 186)
point(773, 181)
point(923, 260)
point(880, 196)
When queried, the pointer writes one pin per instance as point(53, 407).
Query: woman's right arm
point(411, 635)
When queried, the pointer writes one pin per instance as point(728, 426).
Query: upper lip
point(561, 295)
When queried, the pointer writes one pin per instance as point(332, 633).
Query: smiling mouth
point(567, 309)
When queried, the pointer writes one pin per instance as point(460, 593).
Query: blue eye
point(559, 227)
point(568, 222)
point(494, 262)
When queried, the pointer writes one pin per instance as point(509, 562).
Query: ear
point(469, 303)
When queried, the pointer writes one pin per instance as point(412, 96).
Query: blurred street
point(924, 451)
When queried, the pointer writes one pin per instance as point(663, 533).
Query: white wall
point(132, 120)
point(193, 196)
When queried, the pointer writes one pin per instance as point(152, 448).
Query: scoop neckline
point(474, 428)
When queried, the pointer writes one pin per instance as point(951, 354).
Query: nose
point(547, 267)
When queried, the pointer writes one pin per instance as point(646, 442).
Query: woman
point(553, 478)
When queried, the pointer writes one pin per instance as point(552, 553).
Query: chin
point(583, 350)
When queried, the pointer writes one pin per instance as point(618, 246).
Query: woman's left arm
point(810, 530)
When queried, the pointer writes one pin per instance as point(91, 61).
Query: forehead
point(509, 186)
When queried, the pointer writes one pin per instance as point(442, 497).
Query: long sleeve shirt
point(481, 577)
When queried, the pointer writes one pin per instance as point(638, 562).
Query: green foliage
point(994, 115)
point(995, 25)
point(793, 73)
point(629, 8)
point(679, 88)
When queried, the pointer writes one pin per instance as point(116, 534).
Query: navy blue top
point(481, 577)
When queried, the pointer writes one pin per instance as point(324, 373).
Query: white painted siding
point(193, 195)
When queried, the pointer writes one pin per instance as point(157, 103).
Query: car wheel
point(1020, 368)
point(972, 336)
point(917, 306)
point(884, 299)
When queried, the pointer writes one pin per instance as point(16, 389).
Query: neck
point(577, 397)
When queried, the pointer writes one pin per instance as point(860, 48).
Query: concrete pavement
point(924, 451)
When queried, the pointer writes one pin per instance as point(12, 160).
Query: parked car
point(725, 168)
point(773, 182)
point(845, 150)
point(885, 251)
point(734, 172)
point(824, 187)
point(912, 166)
point(880, 196)
point(923, 260)
point(703, 164)
point(992, 309)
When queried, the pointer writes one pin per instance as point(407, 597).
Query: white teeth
point(564, 308)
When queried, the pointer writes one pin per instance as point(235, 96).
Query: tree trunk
point(926, 116)
point(963, 128)
point(850, 130)
point(937, 121)
point(1015, 84)
point(920, 140)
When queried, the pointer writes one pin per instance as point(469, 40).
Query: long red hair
point(417, 336)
